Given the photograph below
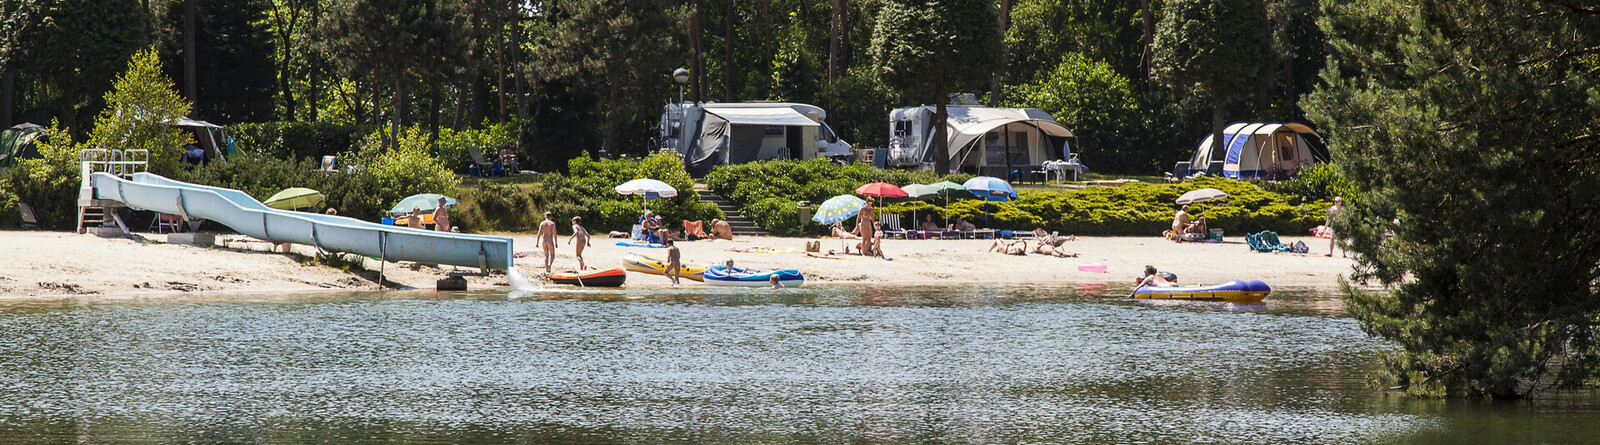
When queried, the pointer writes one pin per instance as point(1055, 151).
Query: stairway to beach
point(741, 225)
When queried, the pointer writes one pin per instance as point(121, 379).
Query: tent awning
point(969, 124)
point(775, 116)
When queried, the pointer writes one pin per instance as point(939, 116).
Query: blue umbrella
point(838, 208)
point(990, 188)
point(426, 202)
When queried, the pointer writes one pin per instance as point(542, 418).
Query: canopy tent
point(1260, 149)
point(982, 137)
point(735, 135)
point(207, 136)
point(19, 142)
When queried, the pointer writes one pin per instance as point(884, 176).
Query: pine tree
point(1471, 126)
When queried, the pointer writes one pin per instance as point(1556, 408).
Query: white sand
point(56, 263)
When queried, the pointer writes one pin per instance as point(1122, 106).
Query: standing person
point(441, 217)
point(867, 229)
point(1333, 213)
point(672, 261)
point(581, 235)
point(547, 240)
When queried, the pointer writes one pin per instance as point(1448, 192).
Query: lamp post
point(681, 76)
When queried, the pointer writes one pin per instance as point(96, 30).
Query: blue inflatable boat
point(1236, 290)
point(721, 276)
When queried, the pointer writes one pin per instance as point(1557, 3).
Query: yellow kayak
point(643, 264)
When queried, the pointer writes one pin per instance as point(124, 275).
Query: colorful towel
point(762, 250)
point(640, 244)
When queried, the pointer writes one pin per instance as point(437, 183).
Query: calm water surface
point(967, 364)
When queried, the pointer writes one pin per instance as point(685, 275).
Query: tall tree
point(1471, 127)
point(16, 16)
point(76, 48)
point(233, 73)
point(623, 50)
point(398, 41)
point(931, 48)
point(289, 20)
point(140, 110)
point(1218, 50)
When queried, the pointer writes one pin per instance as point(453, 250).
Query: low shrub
point(48, 183)
point(792, 182)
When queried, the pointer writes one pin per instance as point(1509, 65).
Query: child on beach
point(673, 263)
point(582, 236)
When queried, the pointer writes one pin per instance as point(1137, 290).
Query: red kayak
point(607, 277)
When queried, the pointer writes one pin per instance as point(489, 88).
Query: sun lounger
point(890, 224)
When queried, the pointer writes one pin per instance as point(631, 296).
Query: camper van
point(983, 140)
point(711, 134)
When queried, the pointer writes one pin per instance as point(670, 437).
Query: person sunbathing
point(1198, 226)
point(1154, 278)
point(840, 232)
point(928, 224)
point(1018, 248)
point(1054, 251)
point(694, 230)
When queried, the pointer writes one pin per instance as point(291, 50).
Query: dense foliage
point(1217, 50)
point(297, 139)
point(48, 183)
point(139, 113)
point(1472, 124)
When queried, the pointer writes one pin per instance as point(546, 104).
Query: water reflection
point(973, 363)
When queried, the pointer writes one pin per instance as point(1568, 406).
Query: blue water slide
point(246, 215)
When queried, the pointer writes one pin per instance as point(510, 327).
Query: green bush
point(49, 183)
point(355, 195)
point(10, 213)
point(491, 206)
point(451, 147)
point(1319, 182)
point(812, 181)
point(591, 192)
point(297, 139)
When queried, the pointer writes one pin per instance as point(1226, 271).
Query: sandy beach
point(61, 264)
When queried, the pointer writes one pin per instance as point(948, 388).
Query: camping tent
point(985, 138)
point(207, 136)
point(1260, 149)
point(736, 135)
point(19, 142)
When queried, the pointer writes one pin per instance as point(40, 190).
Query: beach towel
point(762, 250)
point(1265, 241)
point(640, 244)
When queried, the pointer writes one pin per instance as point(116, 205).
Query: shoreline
point(65, 264)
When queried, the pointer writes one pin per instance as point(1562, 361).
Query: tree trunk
point(516, 61)
point(433, 112)
point(284, 87)
point(316, 63)
point(461, 107)
point(727, 53)
point(941, 138)
point(994, 78)
point(500, 66)
point(189, 89)
point(67, 109)
point(833, 43)
point(696, 52)
point(608, 129)
point(1217, 124)
point(149, 32)
point(1288, 53)
point(8, 83)
point(402, 103)
point(1148, 21)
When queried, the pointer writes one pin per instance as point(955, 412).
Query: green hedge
point(589, 192)
point(770, 192)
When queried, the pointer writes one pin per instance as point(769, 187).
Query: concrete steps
point(741, 225)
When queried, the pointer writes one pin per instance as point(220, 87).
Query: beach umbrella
point(1201, 195)
point(648, 188)
point(881, 190)
point(948, 189)
point(990, 189)
point(426, 202)
point(838, 208)
point(295, 198)
point(921, 192)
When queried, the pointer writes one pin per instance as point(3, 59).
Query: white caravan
point(711, 134)
point(983, 140)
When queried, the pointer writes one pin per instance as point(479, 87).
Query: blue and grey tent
point(1260, 149)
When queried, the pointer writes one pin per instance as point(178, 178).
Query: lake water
point(962, 364)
